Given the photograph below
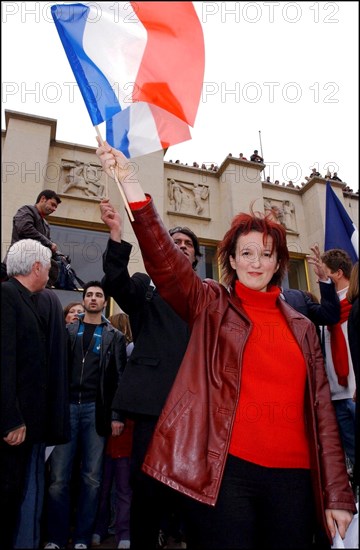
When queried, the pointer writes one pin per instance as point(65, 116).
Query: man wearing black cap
point(160, 341)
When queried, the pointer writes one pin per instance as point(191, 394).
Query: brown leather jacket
point(191, 441)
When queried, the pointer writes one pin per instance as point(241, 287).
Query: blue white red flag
point(340, 231)
point(143, 128)
point(122, 53)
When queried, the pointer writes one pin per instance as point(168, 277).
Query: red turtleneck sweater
point(269, 428)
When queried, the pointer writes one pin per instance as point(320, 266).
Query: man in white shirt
point(339, 366)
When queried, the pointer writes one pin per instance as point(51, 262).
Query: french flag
point(143, 128)
point(146, 56)
point(340, 231)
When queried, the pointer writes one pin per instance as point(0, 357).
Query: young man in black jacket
point(97, 357)
point(160, 341)
point(29, 221)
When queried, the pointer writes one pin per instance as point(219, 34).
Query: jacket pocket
point(175, 414)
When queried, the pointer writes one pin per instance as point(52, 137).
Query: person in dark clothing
point(33, 398)
point(160, 340)
point(29, 221)
point(338, 364)
point(335, 177)
point(327, 312)
point(315, 173)
point(255, 157)
point(324, 313)
point(3, 273)
point(97, 357)
point(49, 308)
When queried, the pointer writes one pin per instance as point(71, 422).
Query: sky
point(280, 77)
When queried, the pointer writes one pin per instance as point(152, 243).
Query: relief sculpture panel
point(283, 212)
point(188, 198)
point(82, 179)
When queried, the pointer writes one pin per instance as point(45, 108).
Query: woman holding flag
point(248, 430)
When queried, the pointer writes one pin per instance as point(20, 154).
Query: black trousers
point(153, 504)
point(258, 507)
point(13, 468)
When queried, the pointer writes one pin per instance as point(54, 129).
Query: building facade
point(204, 199)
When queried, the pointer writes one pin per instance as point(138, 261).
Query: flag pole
point(262, 155)
point(117, 181)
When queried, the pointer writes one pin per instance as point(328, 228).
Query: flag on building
point(122, 53)
point(340, 231)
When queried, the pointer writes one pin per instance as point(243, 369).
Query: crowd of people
point(222, 414)
point(314, 173)
point(255, 157)
point(209, 166)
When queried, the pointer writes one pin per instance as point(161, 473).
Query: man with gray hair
point(24, 372)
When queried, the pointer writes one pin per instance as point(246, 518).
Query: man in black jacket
point(327, 312)
point(29, 221)
point(34, 391)
point(160, 341)
point(255, 157)
point(97, 357)
point(50, 311)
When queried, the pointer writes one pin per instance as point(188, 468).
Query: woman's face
point(73, 313)
point(254, 264)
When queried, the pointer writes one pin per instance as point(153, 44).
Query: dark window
point(296, 277)
point(207, 266)
point(84, 247)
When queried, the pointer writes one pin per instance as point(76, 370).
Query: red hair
point(242, 224)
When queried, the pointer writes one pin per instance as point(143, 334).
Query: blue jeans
point(345, 414)
point(83, 433)
point(29, 521)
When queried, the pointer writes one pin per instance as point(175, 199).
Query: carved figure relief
point(281, 211)
point(83, 177)
point(289, 215)
point(188, 203)
point(175, 194)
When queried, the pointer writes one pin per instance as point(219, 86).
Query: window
point(208, 266)
point(297, 276)
point(84, 247)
